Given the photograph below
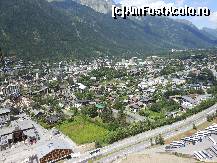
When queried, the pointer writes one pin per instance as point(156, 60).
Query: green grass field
point(82, 131)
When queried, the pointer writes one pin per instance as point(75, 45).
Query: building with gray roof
point(4, 116)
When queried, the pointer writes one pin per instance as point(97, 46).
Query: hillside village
point(112, 99)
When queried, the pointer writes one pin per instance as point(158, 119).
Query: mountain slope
point(34, 28)
point(210, 32)
point(176, 33)
point(172, 33)
point(41, 29)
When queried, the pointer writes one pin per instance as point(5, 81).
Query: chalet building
point(84, 102)
point(18, 132)
point(146, 100)
point(190, 101)
point(4, 116)
point(100, 107)
point(134, 108)
point(10, 90)
point(53, 152)
point(51, 119)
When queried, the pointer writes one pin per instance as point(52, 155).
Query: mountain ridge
point(102, 6)
point(41, 29)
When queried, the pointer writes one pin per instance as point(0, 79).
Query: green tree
point(74, 110)
point(194, 127)
point(121, 118)
point(106, 115)
point(161, 140)
point(151, 142)
point(98, 144)
point(91, 111)
point(156, 140)
point(209, 118)
point(118, 105)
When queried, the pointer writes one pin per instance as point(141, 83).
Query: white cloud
point(152, 3)
point(149, 3)
point(213, 19)
point(204, 21)
point(180, 2)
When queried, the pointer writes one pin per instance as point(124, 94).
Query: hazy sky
point(210, 21)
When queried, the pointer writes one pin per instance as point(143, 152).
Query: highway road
point(141, 141)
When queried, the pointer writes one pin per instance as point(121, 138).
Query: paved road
point(134, 143)
point(123, 153)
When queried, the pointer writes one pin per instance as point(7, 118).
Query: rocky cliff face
point(102, 6)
